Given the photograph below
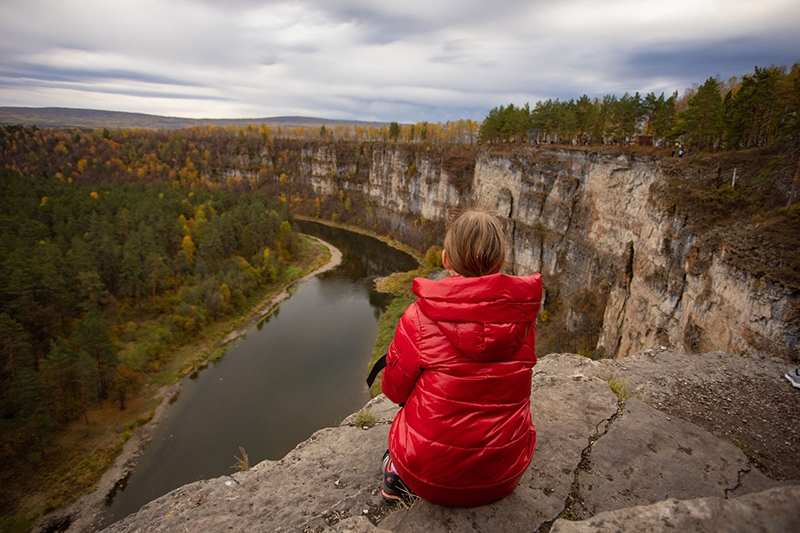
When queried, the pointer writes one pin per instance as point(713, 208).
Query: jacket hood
point(487, 318)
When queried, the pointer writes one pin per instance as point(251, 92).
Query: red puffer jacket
point(461, 361)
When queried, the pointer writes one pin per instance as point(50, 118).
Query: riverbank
point(163, 389)
point(266, 309)
point(398, 284)
point(361, 231)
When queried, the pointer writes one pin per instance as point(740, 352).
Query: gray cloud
point(699, 60)
point(361, 59)
point(50, 73)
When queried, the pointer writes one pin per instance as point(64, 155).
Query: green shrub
point(365, 419)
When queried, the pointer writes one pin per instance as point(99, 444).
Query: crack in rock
point(574, 497)
point(739, 479)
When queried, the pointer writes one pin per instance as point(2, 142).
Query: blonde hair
point(475, 243)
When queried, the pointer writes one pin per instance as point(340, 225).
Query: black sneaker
point(393, 489)
point(792, 375)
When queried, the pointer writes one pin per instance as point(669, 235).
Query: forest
point(85, 262)
point(743, 112)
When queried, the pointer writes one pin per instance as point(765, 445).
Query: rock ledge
point(614, 453)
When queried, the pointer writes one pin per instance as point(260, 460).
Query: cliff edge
point(658, 440)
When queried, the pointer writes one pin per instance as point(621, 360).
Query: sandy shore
point(84, 514)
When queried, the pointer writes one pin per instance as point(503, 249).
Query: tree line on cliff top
point(752, 110)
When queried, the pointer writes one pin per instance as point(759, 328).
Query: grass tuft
point(620, 388)
point(365, 419)
point(408, 501)
point(242, 463)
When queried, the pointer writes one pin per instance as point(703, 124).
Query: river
point(300, 370)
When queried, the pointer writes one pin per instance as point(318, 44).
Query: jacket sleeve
point(403, 365)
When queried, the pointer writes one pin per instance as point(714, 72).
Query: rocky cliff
point(622, 268)
point(627, 445)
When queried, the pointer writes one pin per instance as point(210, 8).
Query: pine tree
point(91, 336)
point(703, 118)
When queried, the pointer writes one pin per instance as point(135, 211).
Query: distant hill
point(62, 117)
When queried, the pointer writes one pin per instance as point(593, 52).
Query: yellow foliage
point(184, 224)
point(188, 248)
point(226, 294)
point(43, 202)
point(544, 316)
point(266, 255)
point(433, 257)
point(284, 178)
point(82, 165)
point(94, 195)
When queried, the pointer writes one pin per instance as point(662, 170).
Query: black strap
point(379, 365)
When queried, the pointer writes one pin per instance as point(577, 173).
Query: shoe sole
point(795, 384)
point(390, 497)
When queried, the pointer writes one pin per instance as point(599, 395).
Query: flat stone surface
point(647, 456)
point(332, 476)
point(593, 455)
point(771, 511)
point(742, 400)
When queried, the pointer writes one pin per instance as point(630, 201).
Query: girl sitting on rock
point(461, 363)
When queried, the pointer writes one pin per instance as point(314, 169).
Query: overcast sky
point(408, 60)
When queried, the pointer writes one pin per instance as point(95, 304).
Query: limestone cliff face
point(672, 299)
point(420, 187)
point(620, 271)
